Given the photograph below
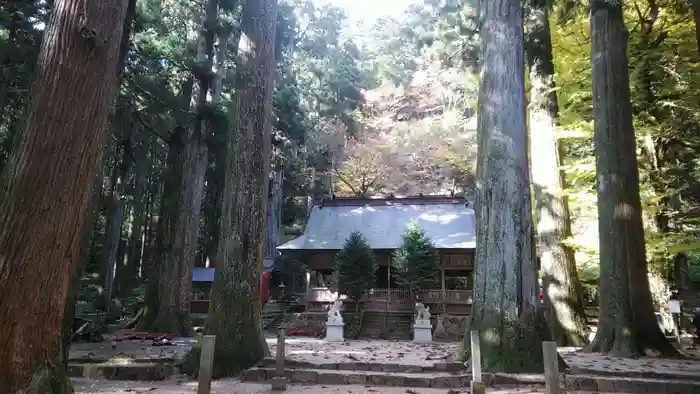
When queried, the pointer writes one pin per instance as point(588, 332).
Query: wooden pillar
point(279, 381)
point(442, 275)
point(206, 364)
point(477, 385)
point(551, 367)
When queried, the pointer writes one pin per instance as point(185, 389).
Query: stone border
point(110, 371)
point(114, 359)
point(636, 374)
point(455, 367)
point(374, 378)
point(447, 380)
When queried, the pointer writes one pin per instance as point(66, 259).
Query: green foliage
point(353, 324)
point(355, 267)
point(415, 263)
point(663, 62)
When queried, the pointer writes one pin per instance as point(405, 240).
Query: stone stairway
point(453, 375)
point(446, 376)
point(386, 325)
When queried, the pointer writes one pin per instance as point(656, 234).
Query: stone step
point(117, 371)
point(450, 367)
point(588, 383)
point(346, 377)
point(458, 367)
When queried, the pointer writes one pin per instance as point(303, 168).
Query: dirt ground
point(232, 386)
point(318, 351)
point(404, 352)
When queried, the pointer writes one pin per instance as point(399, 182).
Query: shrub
point(415, 263)
point(355, 267)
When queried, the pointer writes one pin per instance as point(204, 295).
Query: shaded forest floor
point(314, 351)
point(233, 386)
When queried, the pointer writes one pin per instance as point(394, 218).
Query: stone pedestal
point(334, 330)
point(278, 383)
point(478, 387)
point(422, 331)
point(440, 332)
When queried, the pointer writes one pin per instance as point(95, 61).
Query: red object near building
point(265, 287)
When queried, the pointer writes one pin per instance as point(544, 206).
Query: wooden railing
point(325, 295)
point(322, 294)
point(199, 306)
point(387, 294)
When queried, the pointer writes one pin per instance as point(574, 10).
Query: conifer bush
point(355, 267)
point(415, 264)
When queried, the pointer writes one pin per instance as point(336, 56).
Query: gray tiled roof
point(450, 226)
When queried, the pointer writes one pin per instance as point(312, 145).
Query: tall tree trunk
point(228, 38)
point(563, 292)
point(626, 324)
point(506, 302)
point(135, 244)
point(54, 169)
point(236, 306)
point(115, 217)
point(274, 215)
point(168, 300)
point(695, 6)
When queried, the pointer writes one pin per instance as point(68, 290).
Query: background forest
point(384, 108)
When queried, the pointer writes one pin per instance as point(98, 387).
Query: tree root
point(51, 378)
point(643, 343)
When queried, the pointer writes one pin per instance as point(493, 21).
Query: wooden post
point(551, 367)
point(279, 381)
point(477, 385)
point(206, 364)
point(444, 293)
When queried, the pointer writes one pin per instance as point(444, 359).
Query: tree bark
point(626, 324)
point(234, 315)
point(563, 292)
point(695, 6)
point(115, 218)
point(168, 296)
point(136, 244)
point(54, 169)
point(506, 303)
point(228, 38)
point(274, 215)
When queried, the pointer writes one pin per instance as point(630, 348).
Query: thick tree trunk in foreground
point(563, 293)
point(506, 305)
point(235, 308)
point(627, 326)
point(54, 169)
